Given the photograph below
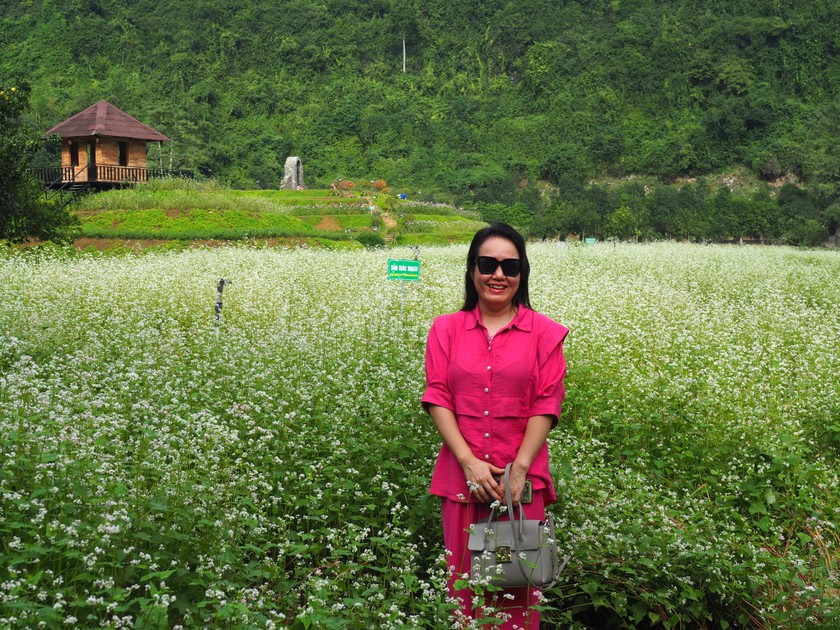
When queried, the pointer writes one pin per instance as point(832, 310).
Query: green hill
point(493, 90)
point(491, 101)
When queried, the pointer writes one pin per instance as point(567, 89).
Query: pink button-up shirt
point(493, 388)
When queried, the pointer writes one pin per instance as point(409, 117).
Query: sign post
point(405, 270)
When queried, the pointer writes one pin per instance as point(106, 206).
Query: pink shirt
point(493, 388)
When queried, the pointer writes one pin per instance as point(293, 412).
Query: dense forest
point(523, 108)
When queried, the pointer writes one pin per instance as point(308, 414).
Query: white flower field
point(161, 468)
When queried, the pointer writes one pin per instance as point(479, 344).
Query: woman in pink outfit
point(494, 388)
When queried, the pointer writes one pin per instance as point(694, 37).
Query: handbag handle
point(511, 516)
point(494, 512)
point(520, 536)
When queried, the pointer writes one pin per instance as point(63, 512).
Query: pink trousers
point(515, 604)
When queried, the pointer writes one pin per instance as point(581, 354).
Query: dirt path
point(389, 221)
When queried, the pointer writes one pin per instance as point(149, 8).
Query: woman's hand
point(516, 479)
point(535, 436)
point(482, 482)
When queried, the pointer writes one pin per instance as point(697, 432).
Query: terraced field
point(182, 214)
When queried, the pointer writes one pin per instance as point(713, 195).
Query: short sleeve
point(437, 368)
point(551, 365)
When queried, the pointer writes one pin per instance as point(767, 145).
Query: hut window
point(123, 153)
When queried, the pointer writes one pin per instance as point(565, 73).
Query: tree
point(691, 218)
point(23, 214)
point(832, 216)
point(663, 206)
point(723, 215)
point(622, 223)
point(516, 215)
point(548, 223)
point(566, 159)
point(565, 217)
point(822, 156)
point(810, 233)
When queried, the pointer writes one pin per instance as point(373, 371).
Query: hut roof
point(103, 119)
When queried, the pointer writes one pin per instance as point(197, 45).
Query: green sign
point(403, 269)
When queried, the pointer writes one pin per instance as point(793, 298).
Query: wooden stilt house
point(102, 146)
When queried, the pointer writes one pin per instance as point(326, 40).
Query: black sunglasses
point(510, 266)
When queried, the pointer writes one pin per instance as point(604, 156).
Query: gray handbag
point(516, 552)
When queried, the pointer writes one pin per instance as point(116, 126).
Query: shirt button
point(486, 390)
point(487, 435)
point(488, 368)
point(486, 413)
point(487, 456)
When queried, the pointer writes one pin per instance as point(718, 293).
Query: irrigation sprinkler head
point(218, 304)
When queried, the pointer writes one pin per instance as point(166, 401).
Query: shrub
point(811, 233)
point(371, 240)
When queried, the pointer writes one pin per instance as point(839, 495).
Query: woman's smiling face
point(496, 290)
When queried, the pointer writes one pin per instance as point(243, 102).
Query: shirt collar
point(524, 319)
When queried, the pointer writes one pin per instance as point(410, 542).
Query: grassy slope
point(188, 212)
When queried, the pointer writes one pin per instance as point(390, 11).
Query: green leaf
point(409, 580)
point(34, 579)
point(161, 575)
point(638, 611)
point(757, 507)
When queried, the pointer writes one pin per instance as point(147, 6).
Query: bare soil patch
point(389, 221)
point(328, 224)
point(104, 244)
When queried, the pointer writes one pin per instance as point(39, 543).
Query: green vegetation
point(162, 467)
point(702, 210)
point(193, 210)
point(195, 224)
point(718, 209)
point(185, 194)
point(498, 98)
point(23, 211)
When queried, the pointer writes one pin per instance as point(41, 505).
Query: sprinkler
point(218, 306)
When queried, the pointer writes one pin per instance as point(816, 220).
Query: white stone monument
point(293, 174)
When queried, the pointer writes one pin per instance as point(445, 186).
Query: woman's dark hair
point(504, 231)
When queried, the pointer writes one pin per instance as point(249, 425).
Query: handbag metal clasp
point(503, 553)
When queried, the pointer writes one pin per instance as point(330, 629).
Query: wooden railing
point(131, 174)
point(106, 174)
point(67, 190)
point(52, 175)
